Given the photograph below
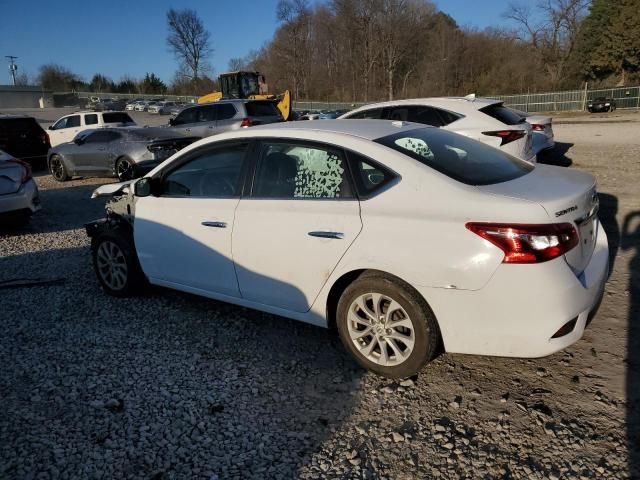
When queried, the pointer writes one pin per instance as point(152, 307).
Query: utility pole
point(12, 67)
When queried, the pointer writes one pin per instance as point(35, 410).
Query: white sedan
point(404, 237)
point(19, 197)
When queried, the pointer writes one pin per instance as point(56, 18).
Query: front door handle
point(323, 234)
point(215, 224)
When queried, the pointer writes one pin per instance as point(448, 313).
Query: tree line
point(364, 50)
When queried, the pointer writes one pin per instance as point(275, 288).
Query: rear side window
point(503, 114)
point(369, 176)
point(116, 117)
point(90, 119)
point(261, 109)
point(226, 111)
point(373, 113)
point(457, 157)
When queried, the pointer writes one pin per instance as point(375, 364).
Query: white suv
point(66, 128)
point(483, 119)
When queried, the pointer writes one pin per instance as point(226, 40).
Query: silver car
point(125, 153)
point(18, 192)
point(224, 115)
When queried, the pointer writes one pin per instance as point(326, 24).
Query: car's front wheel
point(387, 326)
point(57, 169)
point(125, 169)
point(116, 263)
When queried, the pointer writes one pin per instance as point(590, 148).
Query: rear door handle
point(215, 224)
point(323, 234)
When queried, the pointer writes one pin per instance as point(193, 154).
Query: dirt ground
point(95, 387)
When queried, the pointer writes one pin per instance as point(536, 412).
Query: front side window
point(186, 116)
point(461, 158)
point(101, 136)
point(295, 170)
point(116, 117)
point(91, 119)
point(213, 173)
point(67, 122)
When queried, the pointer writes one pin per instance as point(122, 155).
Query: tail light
point(246, 123)
point(44, 137)
point(507, 136)
point(537, 127)
point(27, 173)
point(523, 243)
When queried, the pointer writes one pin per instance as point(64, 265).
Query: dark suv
point(23, 137)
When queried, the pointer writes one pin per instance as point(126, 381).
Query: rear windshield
point(19, 124)
point(262, 109)
point(116, 117)
point(503, 114)
point(458, 157)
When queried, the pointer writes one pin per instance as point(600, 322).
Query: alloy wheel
point(56, 167)
point(381, 329)
point(112, 265)
point(124, 170)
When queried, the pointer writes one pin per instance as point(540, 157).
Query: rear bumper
point(25, 199)
point(521, 308)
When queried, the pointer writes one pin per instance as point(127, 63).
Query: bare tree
point(553, 38)
point(189, 41)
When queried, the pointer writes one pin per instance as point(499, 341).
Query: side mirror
point(78, 141)
point(50, 127)
point(172, 121)
point(142, 188)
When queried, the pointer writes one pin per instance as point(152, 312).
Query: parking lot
point(171, 385)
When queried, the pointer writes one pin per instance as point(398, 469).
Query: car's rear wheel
point(125, 169)
point(116, 263)
point(387, 326)
point(57, 169)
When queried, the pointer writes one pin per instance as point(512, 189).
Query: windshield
point(458, 157)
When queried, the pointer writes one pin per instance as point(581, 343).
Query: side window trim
point(256, 157)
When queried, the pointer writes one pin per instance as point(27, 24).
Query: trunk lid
point(567, 196)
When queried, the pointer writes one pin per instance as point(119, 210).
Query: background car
point(22, 137)
point(110, 104)
point(66, 128)
point(19, 197)
point(162, 108)
point(178, 107)
point(328, 115)
point(121, 152)
point(404, 237)
point(541, 130)
point(144, 105)
point(131, 106)
point(483, 119)
point(601, 104)
point(216, 117)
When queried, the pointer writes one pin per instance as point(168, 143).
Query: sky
point(117, 37)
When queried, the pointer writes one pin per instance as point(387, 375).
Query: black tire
point(57, 169)
point(125, 169)
point(425, 326)
point(119, 244)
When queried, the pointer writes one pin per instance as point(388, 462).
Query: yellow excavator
point(250, 85)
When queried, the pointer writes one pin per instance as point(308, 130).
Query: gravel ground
point(172, 386)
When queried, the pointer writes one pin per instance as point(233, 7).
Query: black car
point(601, 104)
point(23, 137)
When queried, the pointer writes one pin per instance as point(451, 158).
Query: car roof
point(455, 104)
point(367, 129)
point(9, 116)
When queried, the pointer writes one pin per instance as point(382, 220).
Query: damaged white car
point(403, 237)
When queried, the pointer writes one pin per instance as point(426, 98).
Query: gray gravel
point(174, 386)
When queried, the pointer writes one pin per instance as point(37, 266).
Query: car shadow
point(607, 215)
point(165, 382)
point(556, 155)
point(630, 240)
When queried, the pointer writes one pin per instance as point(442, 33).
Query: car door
point(206, 124)
point(183, 235)
point(65, 130)
point(298, 221)
point(93, 155)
